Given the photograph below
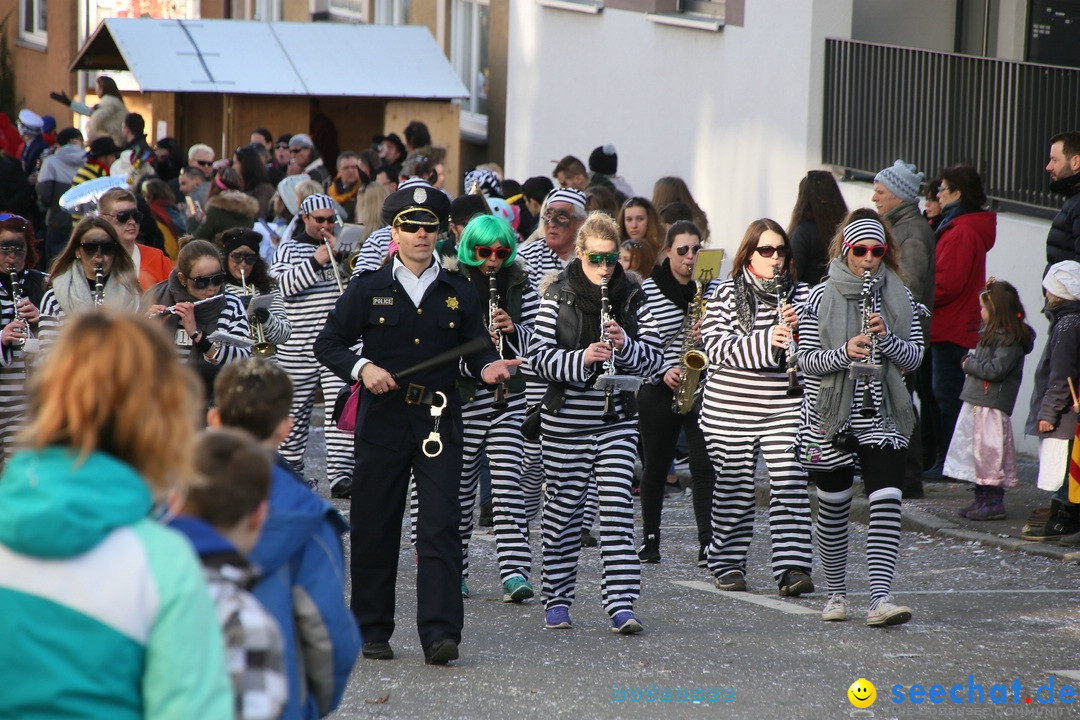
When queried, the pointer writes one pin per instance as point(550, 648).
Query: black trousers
point(660, 428)
point(881, 467)
point(380, 486)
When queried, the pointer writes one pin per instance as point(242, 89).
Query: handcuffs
point(432, 445)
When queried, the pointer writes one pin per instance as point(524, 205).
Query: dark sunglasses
point(201, 283)
point(243, 258)
point(323, 220)
point(558, 219)
point(16, 251)
point(696, 249)
point(105, 249)
point(484, 252)
point(124, 216)
point(767, 251)
point(860, 250)
point(413, 227)
point(602, 258)
point(204, 163)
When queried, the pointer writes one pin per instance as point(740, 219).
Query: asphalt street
point(983, 616)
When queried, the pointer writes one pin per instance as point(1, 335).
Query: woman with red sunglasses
point(192, 307)
point(492, 416)
point(860, 332)
point(747, 411)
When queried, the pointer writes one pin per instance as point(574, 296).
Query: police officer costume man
point(408, 311)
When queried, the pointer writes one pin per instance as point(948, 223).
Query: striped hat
point(861, 230)
point(902, 179)
point(414, 182)
point(567, 195)
point(317, 201)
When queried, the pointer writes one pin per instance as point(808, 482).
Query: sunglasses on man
point(125, 216)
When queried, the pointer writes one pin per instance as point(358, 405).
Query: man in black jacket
point(1063, 240)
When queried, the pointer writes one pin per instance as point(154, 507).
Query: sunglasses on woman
point(697, 248)
point(243, 258)
point(484, 252)
point(602, 258)
point(104, 249)
point(201, 283)
point(767, 251)
point(860, 250)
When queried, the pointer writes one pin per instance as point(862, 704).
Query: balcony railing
point(938, 109)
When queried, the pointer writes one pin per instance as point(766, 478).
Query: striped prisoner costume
point(277, 328)
point(515, 499)
point(309, 292)
point(14, 363)
point(831, 468)
point(373, 252)
point(580, 450)
point(746, 407)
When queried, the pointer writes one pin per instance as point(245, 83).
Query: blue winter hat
point(902, 179)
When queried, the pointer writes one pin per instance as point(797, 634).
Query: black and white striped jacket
point(309, 291)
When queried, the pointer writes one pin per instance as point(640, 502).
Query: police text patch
point(382, 301)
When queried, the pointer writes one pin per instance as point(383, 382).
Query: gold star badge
point(452, 303)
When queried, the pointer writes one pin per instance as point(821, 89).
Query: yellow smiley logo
point(862, 693)
point(452, 303)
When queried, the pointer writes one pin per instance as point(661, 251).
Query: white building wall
point(1018, 256)
point(735, 113)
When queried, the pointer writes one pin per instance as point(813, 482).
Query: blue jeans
point(948, 380)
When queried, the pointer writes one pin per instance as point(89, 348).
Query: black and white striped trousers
point(515, 499)
point(307, 374)
point(732, 450)
point(604, 459)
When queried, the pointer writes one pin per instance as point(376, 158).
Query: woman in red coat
point(966, 234)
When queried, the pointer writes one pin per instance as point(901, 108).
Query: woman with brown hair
point(637, 256)
point(115, 598)
point(859, 334)
point(748, 330)
point(672, 189)
point(638, 220)
point(818, 210)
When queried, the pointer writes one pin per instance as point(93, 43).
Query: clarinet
point(16, 298)
point(867, 370)
point(787, 357)
point(609, 415)
point(99, 286)
point(500, 401)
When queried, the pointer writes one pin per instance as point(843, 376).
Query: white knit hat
point(1063, 280)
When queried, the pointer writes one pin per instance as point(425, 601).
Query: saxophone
point(16, 298)
point(692, 361)
point(500, 402)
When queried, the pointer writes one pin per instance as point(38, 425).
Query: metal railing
point(937, 109)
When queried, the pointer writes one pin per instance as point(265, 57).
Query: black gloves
point(61, 97)
point(261, 315)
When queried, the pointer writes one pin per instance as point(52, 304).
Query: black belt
point(421, 395)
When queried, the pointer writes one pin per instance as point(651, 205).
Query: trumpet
point(867, 370)
point(99, 286)
point(500, 401)
point(787, 357)
point(261, 348)
point(16, 298)
point(333, 261)
point(171, 310)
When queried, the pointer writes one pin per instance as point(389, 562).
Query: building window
point(32, 21)
point(703, 7)
point(470, 26)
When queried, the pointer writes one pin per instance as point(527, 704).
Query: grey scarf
point(73, 293)
point(840, 319)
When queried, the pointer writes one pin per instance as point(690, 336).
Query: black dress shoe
point(440, 652)
point(378, 650)
point(342, 490)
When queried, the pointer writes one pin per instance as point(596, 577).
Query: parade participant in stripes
point(863, 313)
point(670, 293)
point(245, 267)
point(198, 278)
point(408, 311)
point(493, 416)
point(17, 256)
point(94, 245)
point(747, 409)
point(582, 444)
point(305, 276)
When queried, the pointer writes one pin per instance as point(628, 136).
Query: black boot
point(650, 549)
point(1064, 520)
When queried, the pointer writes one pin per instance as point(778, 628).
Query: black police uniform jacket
point(396, 335)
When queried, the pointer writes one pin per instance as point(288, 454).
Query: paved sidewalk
point(937, 513)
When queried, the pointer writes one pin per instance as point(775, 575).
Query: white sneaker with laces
point(887, 613)
point(835, 609)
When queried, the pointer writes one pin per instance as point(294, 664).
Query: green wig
point(486, 230)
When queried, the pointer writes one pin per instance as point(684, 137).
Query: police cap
point(422, 204)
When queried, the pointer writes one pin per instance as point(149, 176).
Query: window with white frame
point(470, 25)
point(32, 21)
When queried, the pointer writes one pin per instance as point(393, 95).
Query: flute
point(171, 310)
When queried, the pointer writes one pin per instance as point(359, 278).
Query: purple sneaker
point(624, 623)
point(558, 618)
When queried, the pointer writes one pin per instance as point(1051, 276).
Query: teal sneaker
point(464, 588)
point(517, 589)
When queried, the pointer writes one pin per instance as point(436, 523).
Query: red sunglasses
point(484, 252)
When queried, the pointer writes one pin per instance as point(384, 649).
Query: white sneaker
point(886, 613)
point(835, 609)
